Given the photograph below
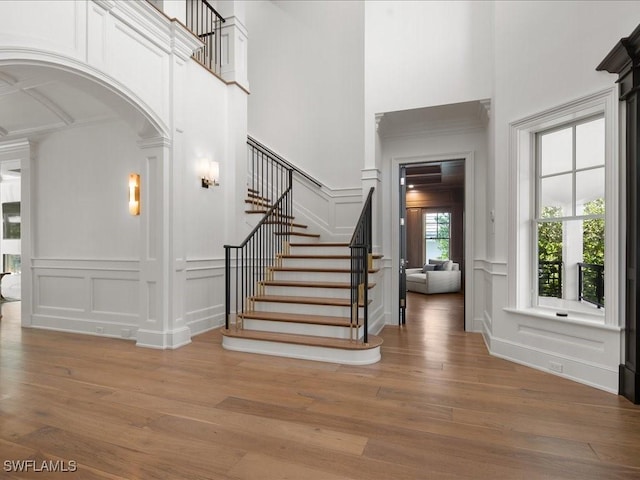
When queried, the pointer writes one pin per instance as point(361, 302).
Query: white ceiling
point(434, 120)
point(37, 100)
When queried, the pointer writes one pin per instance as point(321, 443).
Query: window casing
point(522, 266)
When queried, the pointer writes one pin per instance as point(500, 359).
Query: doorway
point(432, 231)
point(11, 233)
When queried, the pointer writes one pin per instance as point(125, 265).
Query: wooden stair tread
point(316, 257)
point(256, 195)
point(333, 302)
point(321, 244)
point(295, 283)
point(322, 256)
point(275, 214)
point(290, 224)
point(256, 201)
point(309, 340)
point(299, 318)
point(318, 270)
point(299, 234)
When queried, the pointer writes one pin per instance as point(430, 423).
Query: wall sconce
point(209, 173)
point(134, 194)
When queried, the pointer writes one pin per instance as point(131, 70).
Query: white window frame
point(432, 210)
point(522, 295)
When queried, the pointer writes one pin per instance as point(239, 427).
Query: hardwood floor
point(436, 407)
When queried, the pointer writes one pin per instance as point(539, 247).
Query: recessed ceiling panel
point(19, 111)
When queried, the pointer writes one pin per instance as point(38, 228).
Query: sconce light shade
point(210, 173)
point(134, 194)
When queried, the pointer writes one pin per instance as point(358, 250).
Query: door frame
point(468, 222)
point(20, 151)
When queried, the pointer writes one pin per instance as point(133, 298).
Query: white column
point(234, 40)
point(371, 177)
point(154, 243)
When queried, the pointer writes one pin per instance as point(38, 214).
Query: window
point(437, 228)
point(11, 220)
point(570, 213)
point(565, 230)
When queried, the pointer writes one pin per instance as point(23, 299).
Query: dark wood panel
point(623, 60)
point(415, 238)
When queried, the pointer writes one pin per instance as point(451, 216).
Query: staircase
point(302, 304)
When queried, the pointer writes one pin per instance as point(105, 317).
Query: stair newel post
point(367, 252)
point(227, 285)
point(288, 219)
point(243, 292)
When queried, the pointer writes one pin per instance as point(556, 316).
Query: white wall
point(421, 54)
point(81, 176)
point(214, 129)
point(545, 55)
point(306, 72)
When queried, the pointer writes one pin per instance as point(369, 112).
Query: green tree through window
point(550, 254)
point(593, 233)
point(437, 235)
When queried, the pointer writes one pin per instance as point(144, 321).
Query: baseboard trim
point(98, 328)
point(169, 340)
point(591, 374)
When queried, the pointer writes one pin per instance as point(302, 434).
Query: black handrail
point(206, 23)
point(259, 147)
point(257, 254)
point(591, 283)
point(360, 264)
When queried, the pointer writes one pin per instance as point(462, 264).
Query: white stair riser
point(302, 239)
point(308, 292)
point(302, 329)
point(312, 276)
point(304, 309)
point(317, 262)
point(321, 354)
point(319, 249)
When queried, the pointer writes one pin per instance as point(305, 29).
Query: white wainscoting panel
point(204, 292)
point(99, 297)
point(332, 213)
point(583, 351)
point(61, 291)
point(115, 295)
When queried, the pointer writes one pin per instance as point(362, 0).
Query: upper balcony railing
point(206, 23)
point(550, 278)
point(591, 283)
